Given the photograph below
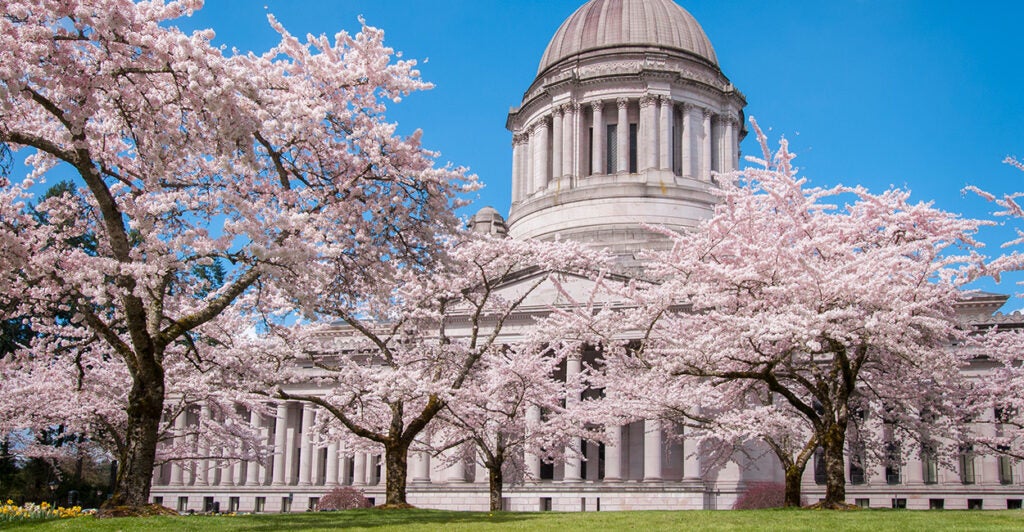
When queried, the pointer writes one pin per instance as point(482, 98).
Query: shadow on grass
point(379, 518)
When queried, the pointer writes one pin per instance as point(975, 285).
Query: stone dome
point(608, 24)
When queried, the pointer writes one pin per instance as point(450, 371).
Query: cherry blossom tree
point(998, 391)
point(409, 349)
point(837, 301)
point(492, 410)
point(280, 165)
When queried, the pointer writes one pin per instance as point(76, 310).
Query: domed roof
point(610, 23)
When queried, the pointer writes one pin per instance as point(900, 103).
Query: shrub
point(342, 498)
point(761, 495)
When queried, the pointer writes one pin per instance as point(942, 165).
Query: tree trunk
point(396, 463)
point(794, 476)
point(833, 443)
point(145, 406)
point(495, 482)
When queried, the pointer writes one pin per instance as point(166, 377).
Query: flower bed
point(30, 511)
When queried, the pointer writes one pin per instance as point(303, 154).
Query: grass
point(414, 520)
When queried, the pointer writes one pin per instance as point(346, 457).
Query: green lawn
point(868, 520)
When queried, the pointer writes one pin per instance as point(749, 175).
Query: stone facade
point(627, 123)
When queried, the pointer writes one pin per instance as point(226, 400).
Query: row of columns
point(691, 143)
point(313, 469)
point(361, 468)
point(653, 445)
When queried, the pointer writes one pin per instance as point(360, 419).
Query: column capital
point(559, 110)
point(647, 100)
point(707, 113)
point(623, 103)
point(575, 106)
point(686, 106)
point(518, 139)
point(597, 105)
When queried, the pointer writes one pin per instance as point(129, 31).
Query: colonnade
point(618, 452)
point(298, 461)
point(626, 135)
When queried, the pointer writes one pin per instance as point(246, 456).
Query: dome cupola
point(608, 26)
point(626, 124)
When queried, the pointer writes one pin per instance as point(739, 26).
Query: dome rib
point(608, 23)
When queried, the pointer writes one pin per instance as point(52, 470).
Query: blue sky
point(925, 95)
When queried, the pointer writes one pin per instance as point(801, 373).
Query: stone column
point(530, 163)
point(647, 144)
point(613, 454)
point(652, 450)
point(688, 156)
point(622, 142)
point(540, 170)
point(238, 473)
point(319, 476)
point(280, 443)
point(227, 470)
point(305, 437)
point(597, 160)
point(532, 460)
point(252, 469)
point(665, 133)
point(557, 153)
point(705, 156)
point(579, 141)
point(421, 468)
point(359, 469)
point(480, 473)
point(371, 469)
point(203, 469)
point(517, 167)
point(455, 473)
point(177, 472)
point(729, 145)
point(331, 478)
point(568, 140)
point(989, 469)
point(876, 474)
point(344, 466)
point(915, 470)
point(593, 460)
point(691, 460)
point(573, 366)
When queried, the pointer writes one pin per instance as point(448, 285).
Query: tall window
point(819, 466)
point(857, 475)
point(1005, 467)
point(590, 151)
point(967, 465)
point(632, 149)
point(892, 468)
point(930, 463)
point(611, 149)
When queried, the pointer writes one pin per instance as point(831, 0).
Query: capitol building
point(627, 122)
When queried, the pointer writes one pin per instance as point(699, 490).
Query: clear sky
point(924, 94)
